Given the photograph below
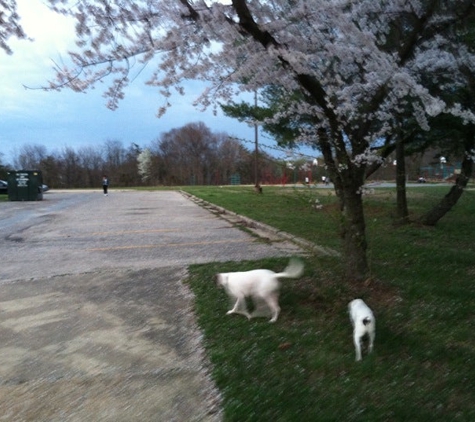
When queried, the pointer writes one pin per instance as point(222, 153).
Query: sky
point(68, 119)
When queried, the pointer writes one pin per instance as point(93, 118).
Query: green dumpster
point(25, 185)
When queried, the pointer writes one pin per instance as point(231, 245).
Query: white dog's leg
point(236, 306)
point(236, 309)
point(372, 335)
point(273, 303)
point(357, 341)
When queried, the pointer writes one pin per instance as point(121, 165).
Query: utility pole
point(257, 186)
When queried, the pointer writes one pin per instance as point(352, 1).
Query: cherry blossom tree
point(354, 63)
point(144, 160)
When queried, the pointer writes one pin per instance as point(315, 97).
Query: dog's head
point(366, 321)
point(221, 279)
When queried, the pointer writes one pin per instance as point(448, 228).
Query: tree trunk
point(402, 212)
point(354, 235)
point(448, 201)
point(348, 181)
point(348, 188)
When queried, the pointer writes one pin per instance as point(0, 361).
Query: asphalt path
point(95, 322)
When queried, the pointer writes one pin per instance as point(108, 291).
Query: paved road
point(95, 324)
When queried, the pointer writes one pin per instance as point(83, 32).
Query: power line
point(287, 152)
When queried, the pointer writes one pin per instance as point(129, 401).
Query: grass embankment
point(302, 368)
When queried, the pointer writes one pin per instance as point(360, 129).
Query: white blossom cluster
point(316, 204)
point(144, 163)
point(471, 154)
point(10, 25)
point(369, 156)
point(365, 190)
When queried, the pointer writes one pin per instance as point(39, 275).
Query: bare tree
point(231, 157)
point(129, 168)
point(189, 154)
point(29, 157)
point(51, 170)
point(114, 154)
point(70, 168)
point(91, 164)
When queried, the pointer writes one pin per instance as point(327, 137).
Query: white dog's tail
point(293, 270)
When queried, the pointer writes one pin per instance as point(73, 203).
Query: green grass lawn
point(302, 368)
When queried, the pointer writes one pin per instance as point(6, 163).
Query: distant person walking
point(105, 184)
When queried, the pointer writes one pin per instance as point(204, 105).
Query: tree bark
point(348, 187)
point(354, 235)
point(432, 217)
point(348, 181)
point(402, 212)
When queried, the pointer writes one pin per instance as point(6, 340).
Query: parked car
point(3, 187)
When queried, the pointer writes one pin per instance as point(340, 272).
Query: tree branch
point(193, 13)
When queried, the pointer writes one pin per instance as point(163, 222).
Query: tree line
point(190, 155)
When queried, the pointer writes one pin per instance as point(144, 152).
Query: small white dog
point(364, 324)
point(258, 285)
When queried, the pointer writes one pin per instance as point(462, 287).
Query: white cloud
point(51, 31)
point(31, 62)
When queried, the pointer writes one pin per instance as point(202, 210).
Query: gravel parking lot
point(94, 320)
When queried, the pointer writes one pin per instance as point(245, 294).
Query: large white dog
point(364, 324)
point(260, 285)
